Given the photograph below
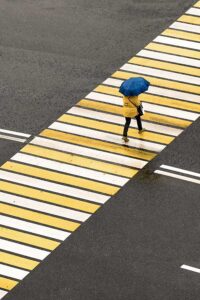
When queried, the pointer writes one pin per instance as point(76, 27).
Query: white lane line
point(161, 74)
point(7, 137)
point(159, 91)
point(189, 268)
point(100, 135)
point(17, 133)
point(180, 170)
point(177, 42)
point(12, 272)
point(88, 152)
point(177, 176)
point(44, 207)
point(186, 27)
point(105, 97)
point(169, 57)
point(2, 293)
point(69, 169)
point(23, 250)
point(193, 11)
point(53, 187)
point(120, 120)
point(34, 228)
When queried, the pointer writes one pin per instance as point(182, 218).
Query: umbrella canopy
point(134, 86)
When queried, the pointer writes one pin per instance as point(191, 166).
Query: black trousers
point(128, 122)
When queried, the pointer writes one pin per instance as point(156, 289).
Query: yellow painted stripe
point(48, 197)
point(80, 161)
point(182, 34)
point(147, 116)
point(113, 148)
point(61, 178)
point(165, 66)
point(29, 239)
point(173, 50)
point(7, 284)
point(100, 125)
point(190, 19)
point(170, 102)
point(197, 4)
point(17, 261)
point(38, 217)
point(161, 82)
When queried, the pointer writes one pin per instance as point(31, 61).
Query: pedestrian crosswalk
point(67, 172)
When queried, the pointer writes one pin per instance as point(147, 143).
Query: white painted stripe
point(21, 134)
point(120, 120)
point(34, 228)
point(88, 152)
point(23, 250)
point(161, 74)
point(186, 27)
point(169, 58)
point(105, 136)
point(44, 207)
point(186, 267)
point(107, 98)
point(173, 94)
point(173, 112)
point(177, 176)
point(53, 187)
point(159, 91)
point(7, 137)
point(177, 42)
point(2, 293)
point(69, 169)
point(193, 11)
point(12, 272)
point(180, 170)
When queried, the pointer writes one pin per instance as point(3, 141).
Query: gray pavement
point(52, 54)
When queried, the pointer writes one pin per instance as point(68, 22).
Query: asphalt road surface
point(52, 54)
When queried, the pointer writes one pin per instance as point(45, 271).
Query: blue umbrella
point(134, 86)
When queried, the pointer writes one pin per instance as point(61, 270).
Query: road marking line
point(17, 261)
point(177, 176)
point(43, 207)
point(182, 35)
point(34, 228)
point(69, 169)
point(186, 27)
point(161, 74)
point(7, 137)
point(2, 293)
point(23, 249)
point(12, 272)
point(136, 143)
point(169, 57)
point(180, 170)
point(193, 11)
point(52, 187)
point(189, 19)
point(79, 111)
point(173, 67)
point(177, 42)
point(181, 52)
point(64, 175)
point(186, 267)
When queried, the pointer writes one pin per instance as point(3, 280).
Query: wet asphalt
point(52, 53)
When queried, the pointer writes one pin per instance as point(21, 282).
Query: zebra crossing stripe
point(67, 172)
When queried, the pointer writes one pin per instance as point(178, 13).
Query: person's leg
point(139, 122)
point(126, 126)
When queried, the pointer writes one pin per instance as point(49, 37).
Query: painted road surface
point(67, 172)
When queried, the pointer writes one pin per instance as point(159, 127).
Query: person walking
point(131, 110)
point(132, 107)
